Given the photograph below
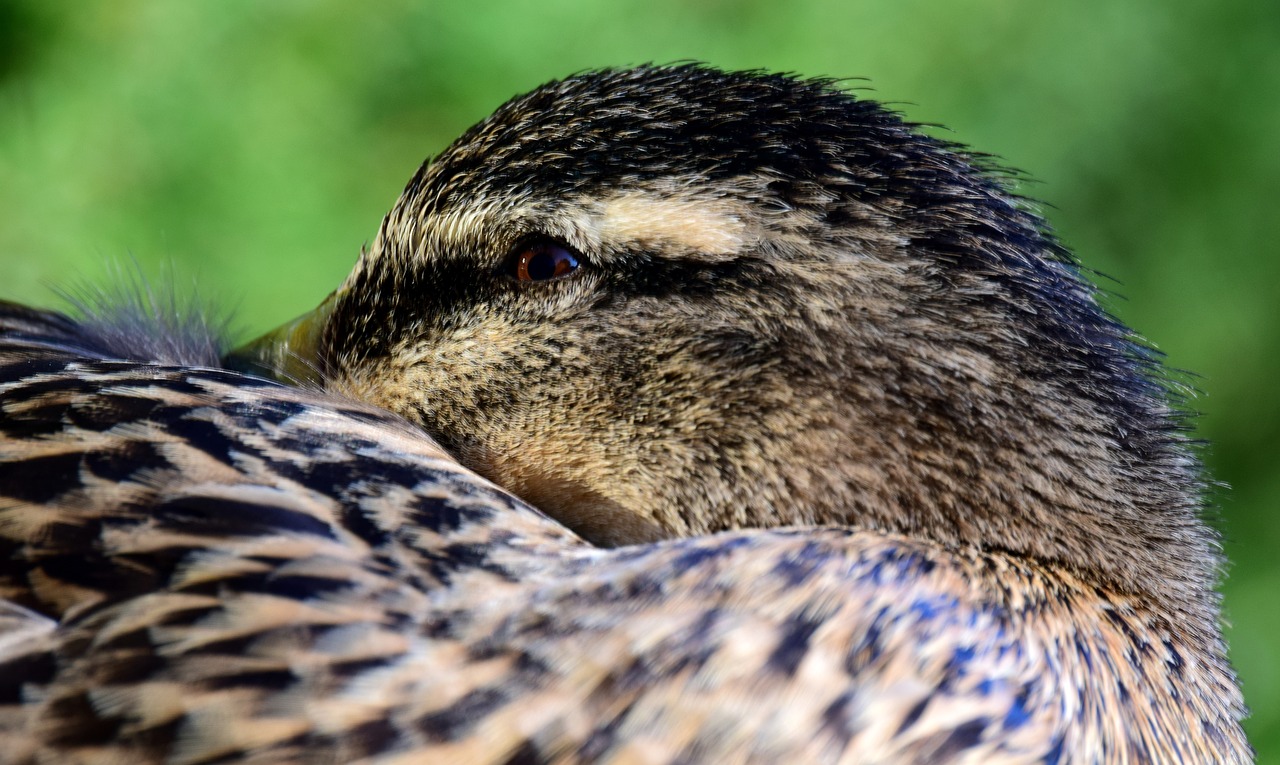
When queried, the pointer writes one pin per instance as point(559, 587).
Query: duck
point(673, 415)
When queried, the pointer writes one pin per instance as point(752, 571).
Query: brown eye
point(543, 261)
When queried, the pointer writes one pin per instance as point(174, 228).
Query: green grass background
point(256, 145)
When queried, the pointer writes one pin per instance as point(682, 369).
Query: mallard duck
point(673, 415)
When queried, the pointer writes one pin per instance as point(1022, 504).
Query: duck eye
point(543, 261)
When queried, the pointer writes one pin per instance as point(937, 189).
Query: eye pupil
point(544, 261)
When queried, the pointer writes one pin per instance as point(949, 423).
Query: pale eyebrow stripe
point(712, 228)
point(684, 224)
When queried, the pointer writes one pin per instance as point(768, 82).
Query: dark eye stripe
point(544, 261)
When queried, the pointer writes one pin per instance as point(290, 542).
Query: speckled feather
point(203, 566)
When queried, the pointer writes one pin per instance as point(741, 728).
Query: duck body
point(208, 566)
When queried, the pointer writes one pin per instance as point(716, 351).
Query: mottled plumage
point(839, 460)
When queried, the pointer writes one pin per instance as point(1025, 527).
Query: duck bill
point(290, 353)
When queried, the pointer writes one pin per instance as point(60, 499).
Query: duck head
point(670, 301)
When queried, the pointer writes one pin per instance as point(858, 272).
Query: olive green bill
point(291, 352)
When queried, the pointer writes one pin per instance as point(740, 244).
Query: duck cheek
point(602, 521)
point(564, 481)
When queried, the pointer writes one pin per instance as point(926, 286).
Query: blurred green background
point(256, 146)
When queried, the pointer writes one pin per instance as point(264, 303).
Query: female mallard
point(840, 461)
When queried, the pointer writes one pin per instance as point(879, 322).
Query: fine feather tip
point(130, 316)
